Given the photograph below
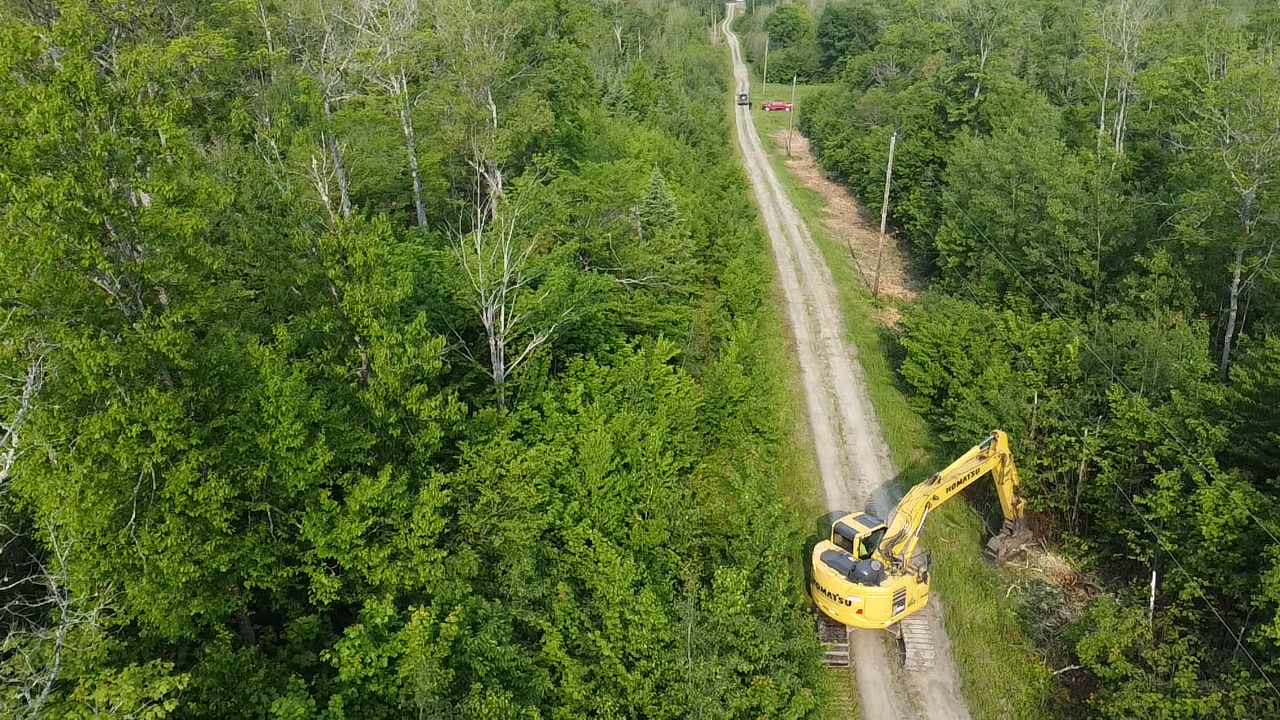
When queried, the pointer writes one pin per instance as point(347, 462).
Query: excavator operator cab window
point(844, 537)
point(870, 543)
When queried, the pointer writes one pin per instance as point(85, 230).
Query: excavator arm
point(873, 575)
point(991, 456)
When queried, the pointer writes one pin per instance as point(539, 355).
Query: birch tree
point(619, 14)
point(326, 45)
point(51, 625)
point(986, 21)
point(1239, 126)
point(44, 624)
point(18, 402)
point(388, 40)
point(1121, 27)
point(479, 33)
point(496, 258)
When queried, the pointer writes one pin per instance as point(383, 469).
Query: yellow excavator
point(872, 575)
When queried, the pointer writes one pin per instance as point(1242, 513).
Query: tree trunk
point(406, 124)
point(263, 18)
point(1106, 90)
point(1233, 309)
point(344, 192)
point(984, 49)
point(497, 354)
point(10, 431)
point(245, 628)
point(1122, 114)
point(320, 178)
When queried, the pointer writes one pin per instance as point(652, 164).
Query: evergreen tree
point(657, 208)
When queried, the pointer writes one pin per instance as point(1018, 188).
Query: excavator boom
point(990, 456)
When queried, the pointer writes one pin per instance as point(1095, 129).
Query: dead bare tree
point(490, 180)
point(618, 12)
point(321, 173)
point(1239, 127)
point(45, 622)
point(263, 17)
point(387, 30)
point(1121, 28)
point(22, 400)
point(264, 139)
point(495, 257)
point(327, 48)
point(479, 34)
point(986, 20)
point(1249, 172)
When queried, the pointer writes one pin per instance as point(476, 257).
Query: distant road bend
point(857, 471)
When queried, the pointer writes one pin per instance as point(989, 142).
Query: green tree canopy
point(788, 25)
point(844, 30)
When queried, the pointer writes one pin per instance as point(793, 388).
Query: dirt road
point(856, 468)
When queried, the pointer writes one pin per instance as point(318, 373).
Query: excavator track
point(835, 642)
point(916, 641)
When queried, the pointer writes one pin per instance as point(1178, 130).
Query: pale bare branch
point(11, 428)
point(495, 257)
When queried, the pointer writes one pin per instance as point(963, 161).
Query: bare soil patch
point(843, 218)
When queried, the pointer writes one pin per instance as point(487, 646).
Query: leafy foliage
point(1087, 188)
point(845, 30)
point(265, 465)
point(789, 24)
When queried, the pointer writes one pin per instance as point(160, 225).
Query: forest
point(1092, 190)
point(386, 359)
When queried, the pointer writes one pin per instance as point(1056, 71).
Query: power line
point(1114, 375)
point(1238, 638)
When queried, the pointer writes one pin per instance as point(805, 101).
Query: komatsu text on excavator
point(872, 575)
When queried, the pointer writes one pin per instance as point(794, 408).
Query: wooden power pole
point(766, 64)
point(884, 214)
point(791, 114)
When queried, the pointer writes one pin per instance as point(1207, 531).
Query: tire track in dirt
point(853, 458)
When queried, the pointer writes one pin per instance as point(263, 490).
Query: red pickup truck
point(776, 105)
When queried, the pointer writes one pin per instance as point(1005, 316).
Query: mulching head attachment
point(1012, 538)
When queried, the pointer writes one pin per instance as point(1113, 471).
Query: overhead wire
point(1114, 375)
point(1237, 638)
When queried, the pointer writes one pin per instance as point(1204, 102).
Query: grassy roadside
point(801, 484)
point(768, 123)
point(1001, 672)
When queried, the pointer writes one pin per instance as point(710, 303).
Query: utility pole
point(884, 213)
point(791, 114)
point(765, 86)
point(1151, 607)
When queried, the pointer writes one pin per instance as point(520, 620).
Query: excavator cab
point(852, 586)
point(855, 537)
point(859, 535)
